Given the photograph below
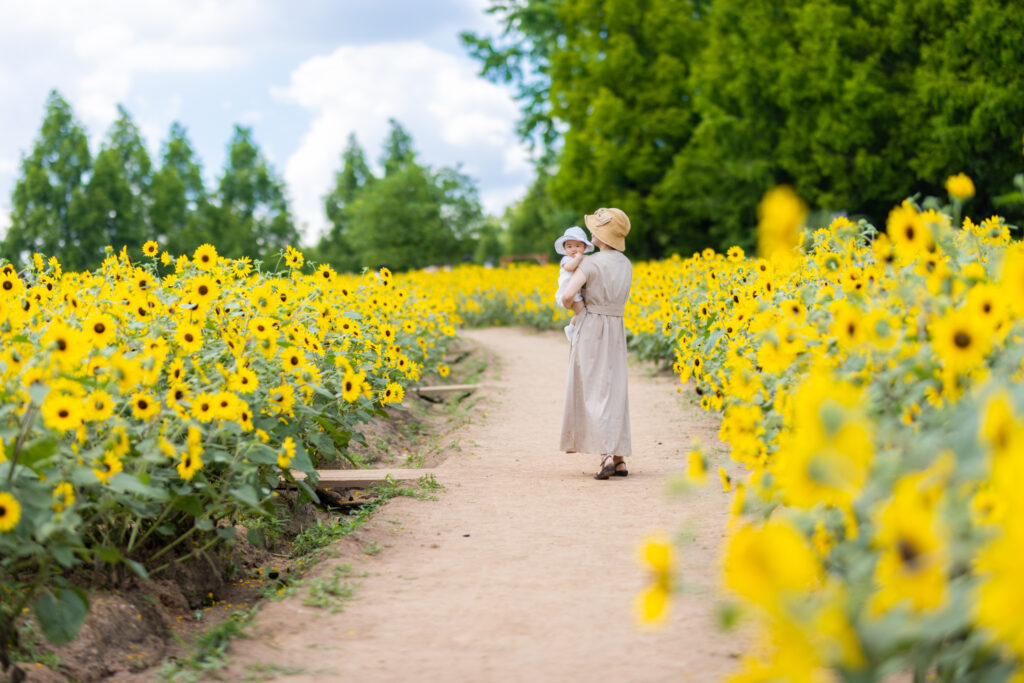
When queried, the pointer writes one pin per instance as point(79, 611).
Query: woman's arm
point(573, 286)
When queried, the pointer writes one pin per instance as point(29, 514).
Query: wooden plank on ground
point(445, 388)
point(357, 479)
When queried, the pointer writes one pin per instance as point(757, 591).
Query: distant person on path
point(596, 414)
point(572, 245)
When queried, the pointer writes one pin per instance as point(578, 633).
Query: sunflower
point(282, 398)
point(204, 290)
point(62, 411)
point(190, 464)
point(10, 512)
point(144, 406)
point(11, 286)
point(910, 234)
point(66, 344)
point(63, 496)
point(189, 337)
point(351, 387)
point(176, 371)
point(99, 406)
point(293, 257)
point(443, 370)
point(100, 329)
point(150, 248)
point(205, 257)
point(203, 407)
point(734, 254)
point(325, 274)
point(287, 454)
point(263, 327)
point(393, 393)
point(143, 281)
point(293, 360)
point(107, 467)
point(225, 405)
point(961, 340)
point(245, 381)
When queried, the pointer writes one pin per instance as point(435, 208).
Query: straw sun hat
point(610, 226)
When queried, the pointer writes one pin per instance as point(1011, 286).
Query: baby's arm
point(577, 307)
point(573, 264)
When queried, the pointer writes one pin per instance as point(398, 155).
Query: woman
point(596, 414)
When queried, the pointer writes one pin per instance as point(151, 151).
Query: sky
point(303, 74)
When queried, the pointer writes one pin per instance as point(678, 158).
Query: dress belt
point(614, 311)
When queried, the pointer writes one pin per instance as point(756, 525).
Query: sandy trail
point(525, 569)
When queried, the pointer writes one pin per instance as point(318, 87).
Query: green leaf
point(247, 494)
point(136, 567)
point(61, 612)
point(204, 524)
point(123, 482)
point(108, 554)
point(190, 505)
point(256, 537)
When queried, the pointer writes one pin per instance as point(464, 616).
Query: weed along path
point(524, 568)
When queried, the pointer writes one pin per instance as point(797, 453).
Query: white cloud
point(103, 47)
point(453, 116)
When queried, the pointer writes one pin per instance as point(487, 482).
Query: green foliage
point(683, 112)
point(413, 216)
point(116, 205)
point(536, 220)
point(252, 216)
point(181, 209)
point(47, 197)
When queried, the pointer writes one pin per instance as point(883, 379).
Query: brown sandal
point(623, 472)
point(607, 468)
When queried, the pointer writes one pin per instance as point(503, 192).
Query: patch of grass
point(330, 593)
point(319, 535)
point(31, 647)
point(372, 548)
point(267, 672)
point(209, 650)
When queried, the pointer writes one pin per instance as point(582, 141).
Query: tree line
point(69, 204)
point(683, 112)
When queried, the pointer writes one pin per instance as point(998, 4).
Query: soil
point(525, 568)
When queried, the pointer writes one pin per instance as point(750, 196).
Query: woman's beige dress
point(596, 414)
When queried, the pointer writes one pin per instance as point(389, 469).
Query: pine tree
point(45, 197)
point(252, 216)
point(180, 214)
point(116, 207)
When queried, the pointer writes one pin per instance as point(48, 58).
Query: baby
point(573, 244)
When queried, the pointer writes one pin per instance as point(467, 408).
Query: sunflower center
point(63, 413)
point(8, 285)
point(962, 339)
point(203, 290)
point(143, 404)
point(910, 233)
point(62, 345)
point(99, 328)
point(909, 553)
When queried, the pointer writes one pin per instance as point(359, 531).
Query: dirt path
point(525, 568)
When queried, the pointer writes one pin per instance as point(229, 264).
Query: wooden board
point(444, 388)
point(357, 479)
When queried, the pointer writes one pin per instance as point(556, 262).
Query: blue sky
point(302, 73)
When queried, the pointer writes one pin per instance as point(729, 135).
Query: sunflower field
point(870, 386)
point(148, 406)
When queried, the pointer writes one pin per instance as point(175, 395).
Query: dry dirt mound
point(525, 568)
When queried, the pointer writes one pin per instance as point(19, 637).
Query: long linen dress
point(596, 414)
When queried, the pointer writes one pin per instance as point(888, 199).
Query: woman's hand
point(572, 288)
